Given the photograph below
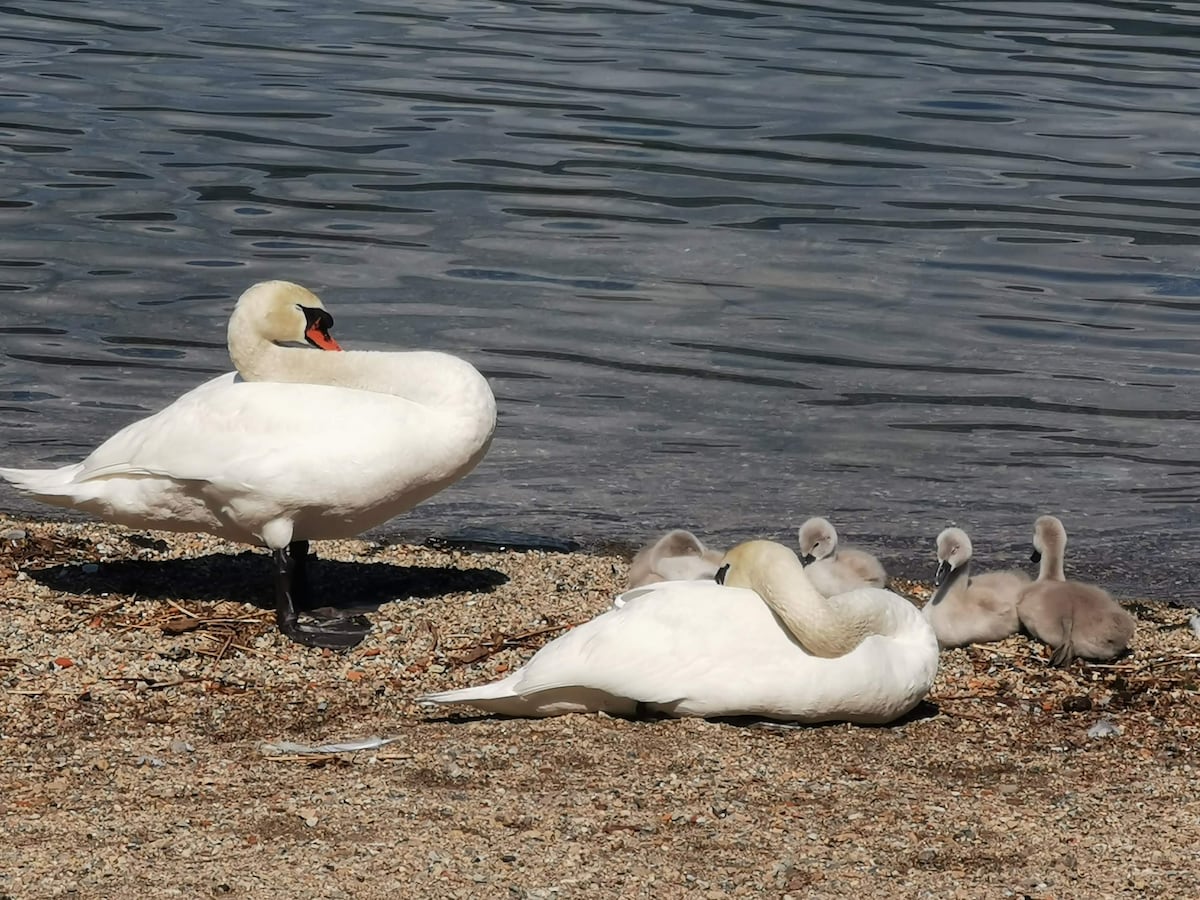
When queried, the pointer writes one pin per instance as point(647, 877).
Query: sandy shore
point(145, 695)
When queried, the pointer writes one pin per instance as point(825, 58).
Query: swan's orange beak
point(318, 335)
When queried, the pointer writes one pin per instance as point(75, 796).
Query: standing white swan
point(297, 445)
point(757, 641)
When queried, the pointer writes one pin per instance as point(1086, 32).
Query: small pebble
point(1077, 704)
point(1103, 728)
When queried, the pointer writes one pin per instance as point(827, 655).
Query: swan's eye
point(721, 573)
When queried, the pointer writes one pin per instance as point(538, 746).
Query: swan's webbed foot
point(293, 605)
point(334, 634)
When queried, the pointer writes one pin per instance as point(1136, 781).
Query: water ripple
point(727, 263)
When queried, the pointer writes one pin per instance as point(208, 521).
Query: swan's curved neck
point(823, 628)
point(425, 377)
point(257, 359)
point(957, 577)
point(1051, 566)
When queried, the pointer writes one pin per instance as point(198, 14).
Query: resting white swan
point(968, 609)
point(833, 569)
point(1076, 619)
point(676, 556)
point(762, 643)
point(296, 445)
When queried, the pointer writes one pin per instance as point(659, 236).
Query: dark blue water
point(726, 264)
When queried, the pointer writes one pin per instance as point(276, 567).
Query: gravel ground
point(145, 695)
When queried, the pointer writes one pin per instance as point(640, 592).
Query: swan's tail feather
point(47, 484)
point(497, 690)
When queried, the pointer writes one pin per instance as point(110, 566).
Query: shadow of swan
point(921, 712)
point(246, 578)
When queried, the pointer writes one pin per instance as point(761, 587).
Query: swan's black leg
point(292, 597)
point(301, 589)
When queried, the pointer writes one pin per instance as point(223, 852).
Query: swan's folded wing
point(669, 642)
point(643, 591)
point(189, 427)
point(247, 435)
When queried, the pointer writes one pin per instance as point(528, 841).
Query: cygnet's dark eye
point(721, 573)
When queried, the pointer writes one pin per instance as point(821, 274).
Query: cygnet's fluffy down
point(968, 609)
point(833, 569)
point(1074, 618)
point(676, 556)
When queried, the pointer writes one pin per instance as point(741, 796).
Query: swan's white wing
point(232, 456)
point(668, 642)
point(116, 450)
point(271, 437)
point(138, 448)
point(647, 590)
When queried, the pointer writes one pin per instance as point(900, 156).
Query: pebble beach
point(159, 738)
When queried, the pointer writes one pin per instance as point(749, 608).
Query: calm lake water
point(727, 264)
